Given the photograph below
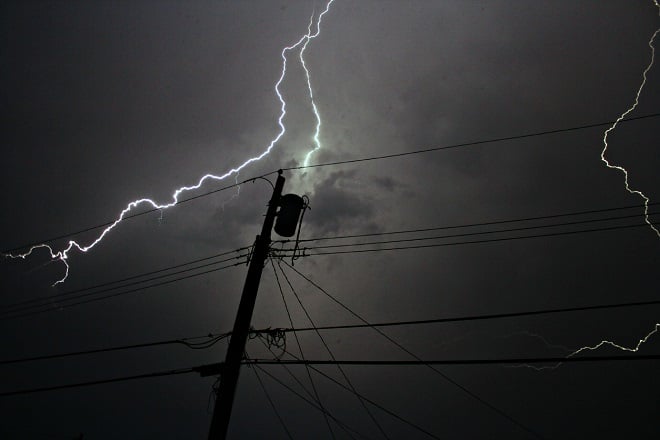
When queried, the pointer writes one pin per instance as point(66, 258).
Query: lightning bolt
point(623, 115)
point(317, 131)
point(601, 344)
point(302, 43)
point(634, 349)
point(541, 338)
point(631, 191)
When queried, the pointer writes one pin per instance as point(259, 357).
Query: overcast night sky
point(106, 102)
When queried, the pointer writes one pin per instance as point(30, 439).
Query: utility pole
point(234, 356)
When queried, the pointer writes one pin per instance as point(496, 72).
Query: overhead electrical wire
point(98, 382)
point(302, 250)
point(487, 223)
point(426, 362)
point(268, 345)
point(471, 144)
point(470, 393)
point(270, 401)
point(316, 396)
point(130, 216)
point(279, 362)
point(362, 397)
point(364, 159)
point(396, 416)
point(349, 327)
point(207, 342)
point(418, 230)
point(309, 402)
point(121, 280)
point(77, 293)
point(46, 301)
point(470, 317)
point(113, 295)
point(470, 234)
point(327, 348)
point(354, 326)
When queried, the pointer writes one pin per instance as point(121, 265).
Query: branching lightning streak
point(317, 130)
point(603, 343)
point(617, 346)
point(63, 255)
point(623, 115)
point(541, 338)
point(631, 191)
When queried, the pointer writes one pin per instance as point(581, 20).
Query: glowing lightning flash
point(617, 346)
point(317, 131)
point(302, 43)
point(623, 115)
point(603, 343)
point(631, 191)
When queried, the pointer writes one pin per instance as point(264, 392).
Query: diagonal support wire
point(321, 408)
point(382, 408)
point(315, 405)
point(270, 400)
point(309, 375)
point(413, 355)
point(341, 370)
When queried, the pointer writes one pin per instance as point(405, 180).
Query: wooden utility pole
point(234, 356)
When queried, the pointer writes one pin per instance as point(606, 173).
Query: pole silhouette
point(230, 371)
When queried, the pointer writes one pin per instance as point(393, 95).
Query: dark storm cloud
point(388, 183)
point(339, 207)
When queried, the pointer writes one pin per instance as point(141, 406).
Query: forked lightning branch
point(301, 45)
point(313, 31)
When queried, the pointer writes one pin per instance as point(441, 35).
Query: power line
point(130, 216)
point(129, 278)
point(138, 289)
point(208, 342)
point(469, 317)
point(258, 362)
point(295, 378)
point(417, 358)
point(362, 397)
point(471, 234)
point(486, 223)
point(309, 402)
point(271, 402)
point(351, 326)
point(385, 410)
point(492, 240)
point(29, 304)
point(426, 362)
point(202, 369)
point(99, 382)
point(74, 294)
point(470, 144)
point(316, 396)
point(364, 159)
point(341, 370)
point(60, 298)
